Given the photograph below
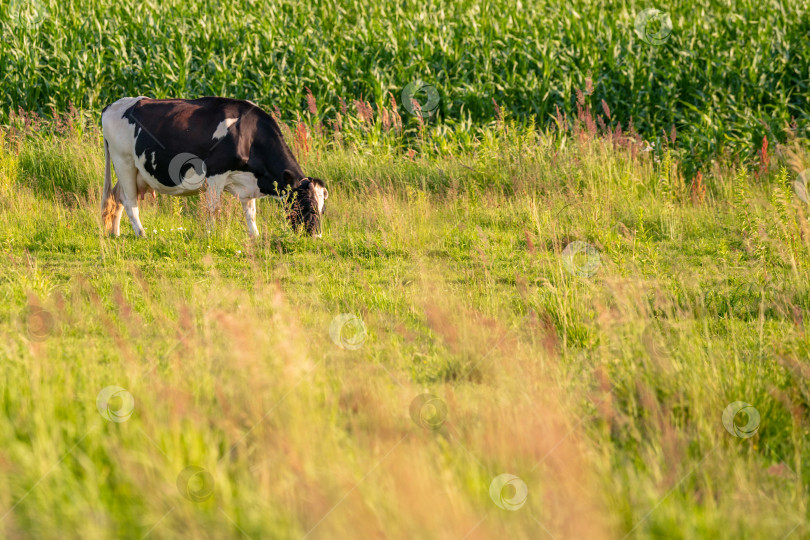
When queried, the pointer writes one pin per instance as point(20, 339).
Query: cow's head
point(308, 205)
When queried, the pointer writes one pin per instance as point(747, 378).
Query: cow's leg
point(249, 206)
point(134, 219)
point(128, 190)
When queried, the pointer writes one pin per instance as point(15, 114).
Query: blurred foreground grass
point(597, 376)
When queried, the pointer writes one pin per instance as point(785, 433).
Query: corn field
point(722, 74)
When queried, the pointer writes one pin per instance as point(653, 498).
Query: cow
point(182, 147)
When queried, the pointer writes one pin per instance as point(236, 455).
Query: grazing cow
point(179, 147)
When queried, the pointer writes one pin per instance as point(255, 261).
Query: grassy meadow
point(569, 303)
point(276, 388)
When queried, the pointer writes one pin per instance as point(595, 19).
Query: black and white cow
point(179, 147)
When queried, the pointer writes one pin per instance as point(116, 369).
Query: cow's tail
point(109, 199)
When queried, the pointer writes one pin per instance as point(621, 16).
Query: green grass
point(603, 394)
point(729, 73)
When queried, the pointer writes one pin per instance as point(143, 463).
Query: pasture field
point(567, 300)
point(197, 384)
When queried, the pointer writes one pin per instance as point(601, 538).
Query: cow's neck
point(289, 163)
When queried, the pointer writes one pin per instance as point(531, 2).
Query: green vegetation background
point(729, 73)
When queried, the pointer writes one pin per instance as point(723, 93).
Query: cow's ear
point(289, 177)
